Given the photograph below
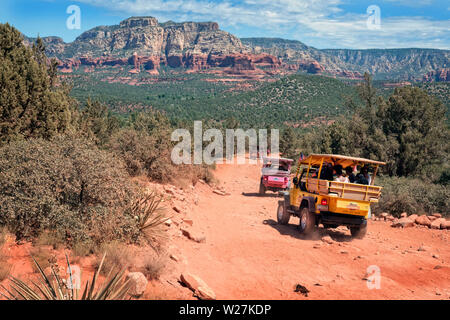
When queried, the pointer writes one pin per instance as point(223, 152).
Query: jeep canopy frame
point(336, 159)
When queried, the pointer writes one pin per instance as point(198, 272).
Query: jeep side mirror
point(295, 181)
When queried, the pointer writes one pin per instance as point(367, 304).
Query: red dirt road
point(247, 255)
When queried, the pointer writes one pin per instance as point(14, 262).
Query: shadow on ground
point(255, 194)
point(292, 230)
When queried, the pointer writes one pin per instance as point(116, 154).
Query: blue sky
point(319, 23)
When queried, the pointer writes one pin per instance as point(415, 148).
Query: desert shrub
point(143, 154)
point(67, 186)
point(48, 238)
point(412, 196)
point(203, 172)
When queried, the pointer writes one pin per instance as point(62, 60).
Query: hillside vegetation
point(296, 99)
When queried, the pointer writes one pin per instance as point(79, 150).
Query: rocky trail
point(224, 243)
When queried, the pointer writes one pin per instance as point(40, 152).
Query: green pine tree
point(32, 104)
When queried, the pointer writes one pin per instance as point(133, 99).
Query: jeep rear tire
point(283, 215)
point(359, 232)
point(307, 221)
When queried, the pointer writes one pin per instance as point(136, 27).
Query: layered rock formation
point(396, 64)
point(437, 75)
point(144, 43)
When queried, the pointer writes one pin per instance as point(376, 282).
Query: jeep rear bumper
point(342, 219)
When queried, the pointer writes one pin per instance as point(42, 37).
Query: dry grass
point(43, 256)
point(48, 238)
point(153, 265)
point(5, 267)
point(83, 249)
point(117, 257)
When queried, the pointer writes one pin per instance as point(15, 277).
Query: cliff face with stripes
point(146, 44)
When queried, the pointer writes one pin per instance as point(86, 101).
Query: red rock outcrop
point(437, 75)
point(234, 63)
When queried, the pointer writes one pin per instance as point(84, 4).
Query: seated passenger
point(339, 176)
point(363, 177)
point(327, 172)
point(350, 175)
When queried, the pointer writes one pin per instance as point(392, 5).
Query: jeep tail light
point(324, 202)
point(265, 178)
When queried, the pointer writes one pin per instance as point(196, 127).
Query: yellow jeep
point(316, 199)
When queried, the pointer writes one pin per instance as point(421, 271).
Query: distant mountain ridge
point(402, 64)
point(145, 42)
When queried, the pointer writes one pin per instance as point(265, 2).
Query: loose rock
point(195, 237)
point(436, 224)
point(327, 239)
point(404, 223)
point(138, 283)
point(198, 286)
point(423, 220)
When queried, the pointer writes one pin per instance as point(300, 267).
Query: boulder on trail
point(436, 224)
point(403, 215)
point(138, 283)
point(413, 217)
point(327, 239)
point(198, 286)
point(192, 235)
point(437, 215)
point(423, 221)
point(445, 224)
point(404, 223)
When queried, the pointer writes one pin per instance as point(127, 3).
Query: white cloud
point(320, 23)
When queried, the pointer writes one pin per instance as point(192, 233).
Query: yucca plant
point(115, 287)
point(149, 212)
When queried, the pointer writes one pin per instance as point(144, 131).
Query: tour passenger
point(327, 172)
point(350, 175)
point(364, 177)
point(339, 176)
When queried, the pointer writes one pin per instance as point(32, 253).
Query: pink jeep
point(275, 174)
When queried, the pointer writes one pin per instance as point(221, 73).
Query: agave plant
point(115, 287)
